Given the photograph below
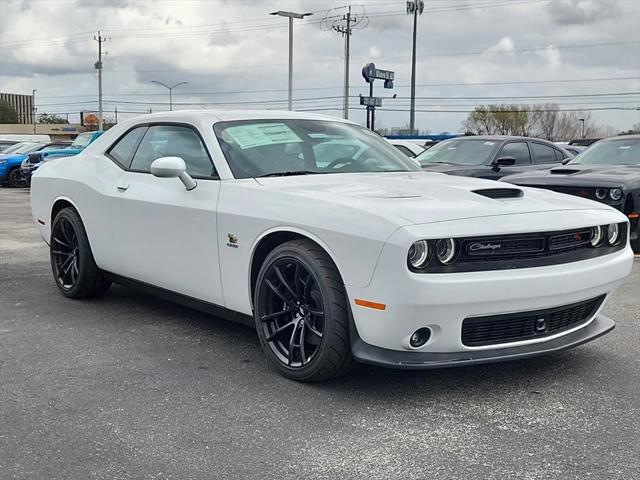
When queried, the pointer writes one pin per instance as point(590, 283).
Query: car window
point(543, 153)
point(517, 150)
point(462, 151)
point(618, 151)
point(122, 152)
point(82, 140)
point(405, 150)
point(255, 148)
point(173, 141)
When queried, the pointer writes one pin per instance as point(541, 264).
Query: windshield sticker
point(489, 143)
point(261, 134)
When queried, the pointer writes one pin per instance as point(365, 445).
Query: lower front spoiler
point(366, 353)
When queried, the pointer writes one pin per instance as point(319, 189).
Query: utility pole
point(415, 8)
point(581, 120)
point(290, 16)
point(170, 88)
point(98, 66)
point(33, 108)
point(344, 24)
point(116, 114)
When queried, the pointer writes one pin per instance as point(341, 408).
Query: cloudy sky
point(581, 54)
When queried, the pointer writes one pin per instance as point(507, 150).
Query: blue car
point(35, 159)
point(11, 161)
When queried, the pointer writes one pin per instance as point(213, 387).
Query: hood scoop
point(564, 171)
point(499, 193)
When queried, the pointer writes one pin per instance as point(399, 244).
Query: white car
point(250, 216)
point(409, 148)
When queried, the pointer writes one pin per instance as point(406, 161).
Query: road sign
point(371, 101)
point(371, 73)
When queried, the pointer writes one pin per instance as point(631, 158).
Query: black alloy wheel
point(16, 179)
point(65, 254)
point(292, 314)
point(301, 313)
point(72, 263)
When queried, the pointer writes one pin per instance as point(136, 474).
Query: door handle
point(122, 188)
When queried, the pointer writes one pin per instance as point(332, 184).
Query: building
point(22, 104)
point(65, 131)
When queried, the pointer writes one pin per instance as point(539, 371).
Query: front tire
point(74, 269)
point(16, 179)
point(301, 313)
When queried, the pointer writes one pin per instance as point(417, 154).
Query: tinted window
point(544, 153)
point(123, 150)
point(459, 152)
point(272, 147)
point(405, 150)
point(173, 141)
point(517, 150)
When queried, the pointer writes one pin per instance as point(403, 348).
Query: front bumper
point(366, 353)
point(442, 301)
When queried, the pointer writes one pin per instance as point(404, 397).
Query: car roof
point(634, 136)
point(231, 115)
point(496, 138)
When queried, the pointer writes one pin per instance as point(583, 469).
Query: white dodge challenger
point(329, 242)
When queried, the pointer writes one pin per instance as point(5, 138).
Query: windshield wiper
point(289, 173)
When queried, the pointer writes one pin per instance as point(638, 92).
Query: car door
point(517, 149)
point(166, 235)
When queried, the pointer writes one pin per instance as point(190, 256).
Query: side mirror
point(503, 162)
point(566, 160)
point(173, 167)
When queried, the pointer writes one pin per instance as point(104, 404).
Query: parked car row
point(18, 161)
point(334, 246)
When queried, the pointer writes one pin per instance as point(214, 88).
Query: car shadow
point(240, 343)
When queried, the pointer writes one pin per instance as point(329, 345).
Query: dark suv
point(491, 156)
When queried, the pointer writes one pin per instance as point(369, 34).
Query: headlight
point(446, 250)
point(613, 234)
point(601, 193)
point(596, 238)
point(615, 194)
point(418, 255)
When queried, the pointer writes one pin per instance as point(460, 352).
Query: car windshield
point(13, 148)
point(611, 152)
point(82, 140)
point(255, 148)
point(459, 151)
point(25, 148)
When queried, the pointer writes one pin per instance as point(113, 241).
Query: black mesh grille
point(496, 329)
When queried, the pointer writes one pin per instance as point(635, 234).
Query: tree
point(8, 114)
point(51, 118)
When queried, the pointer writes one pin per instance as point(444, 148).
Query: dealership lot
point(129, 386)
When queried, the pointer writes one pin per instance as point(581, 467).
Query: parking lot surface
point(130, 386)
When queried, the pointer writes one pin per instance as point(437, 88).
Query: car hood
point(13, 157)
point(420, 197)
point(582, 175)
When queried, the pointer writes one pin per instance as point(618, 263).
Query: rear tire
point(74, 269)
point(301, 313)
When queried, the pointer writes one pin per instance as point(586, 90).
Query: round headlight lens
point(446, 250)
point(596, 238)
point(615, 194)
point(613, 234)
point(601, 193)
point(418, 254)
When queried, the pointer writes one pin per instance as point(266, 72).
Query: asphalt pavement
point(132, 387)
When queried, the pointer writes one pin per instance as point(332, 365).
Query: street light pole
point(290, 16)
point(170, 88)
point(33, 108)
point(415, 8)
